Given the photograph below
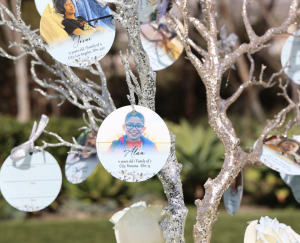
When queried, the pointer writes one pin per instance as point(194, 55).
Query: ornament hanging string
point(22, 150)
point(132, 102)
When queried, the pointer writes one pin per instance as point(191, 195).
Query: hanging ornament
point(80, 165)
point(77, 33)
point(293, 181)
point(133, 144)
point(226, 43)
point(41, 5)
point(281, 154)
point(161, 43)
point(153, 10)
point(290, 57)
point(233, 195)
point(30, 180)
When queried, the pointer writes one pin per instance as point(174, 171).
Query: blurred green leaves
point(200, 152)
point(197, 149)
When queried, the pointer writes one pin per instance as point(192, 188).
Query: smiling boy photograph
point(134, 128)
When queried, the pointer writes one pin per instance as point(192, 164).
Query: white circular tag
point(77, 33)
point(41, 5)
point(133, 147)
point(80, 166)
point(161, 43)
point(32, 183)
point(291, 53)
point(153, 10)
point(281, 154)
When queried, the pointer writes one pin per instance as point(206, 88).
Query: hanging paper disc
point(233, 195)
point(80, 166)
point(32, 183)
point(281, 154)
point(41, 5)
point(291, 54)
point(161, 43)
point(293, 181)
point(77, 33)
point(153, 10)
point(133, 147)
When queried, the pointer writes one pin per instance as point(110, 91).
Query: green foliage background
point(197, 148)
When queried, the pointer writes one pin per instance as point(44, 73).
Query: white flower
point(139, 224)
point(270, 231)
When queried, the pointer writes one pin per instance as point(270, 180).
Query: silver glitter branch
point(65, 86)
point(128, 17)
point(69, 87)
point(65, 143)
point(210, 69)
point(173, 225)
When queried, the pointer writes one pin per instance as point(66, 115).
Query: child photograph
point(284, 146)
point(161, 43)
point(133, 144)
point(134, 127)
point(65, 19)
point(79, 166)
point(77, 32)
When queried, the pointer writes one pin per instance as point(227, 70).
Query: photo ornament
point(77, 33)
point(133, 145)
point(80, 165)
point(233, 195)
point(281, 154)
point(161, 43)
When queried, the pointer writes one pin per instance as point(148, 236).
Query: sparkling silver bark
point(210, 69)
point(69, 87)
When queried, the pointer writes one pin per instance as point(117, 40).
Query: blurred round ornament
point(31, 183)
point(41, 5)
point(161, 43)
point(80, 165)
point(153, 10)
point(281, 154)
point(233, 195)
point(290, 56)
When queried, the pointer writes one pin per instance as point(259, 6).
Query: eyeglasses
point(131, 126)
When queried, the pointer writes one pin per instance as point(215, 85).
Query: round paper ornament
point(161, 43)
point(233, 195)
point(281, 154)
point(153, 10)
point(77, 33)
point(133, 146)
point(31, 183)
point(41, 5)
point(293, 181)
point(80, 166)
point(290, 56)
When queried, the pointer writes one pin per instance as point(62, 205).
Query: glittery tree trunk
point(216, 60)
